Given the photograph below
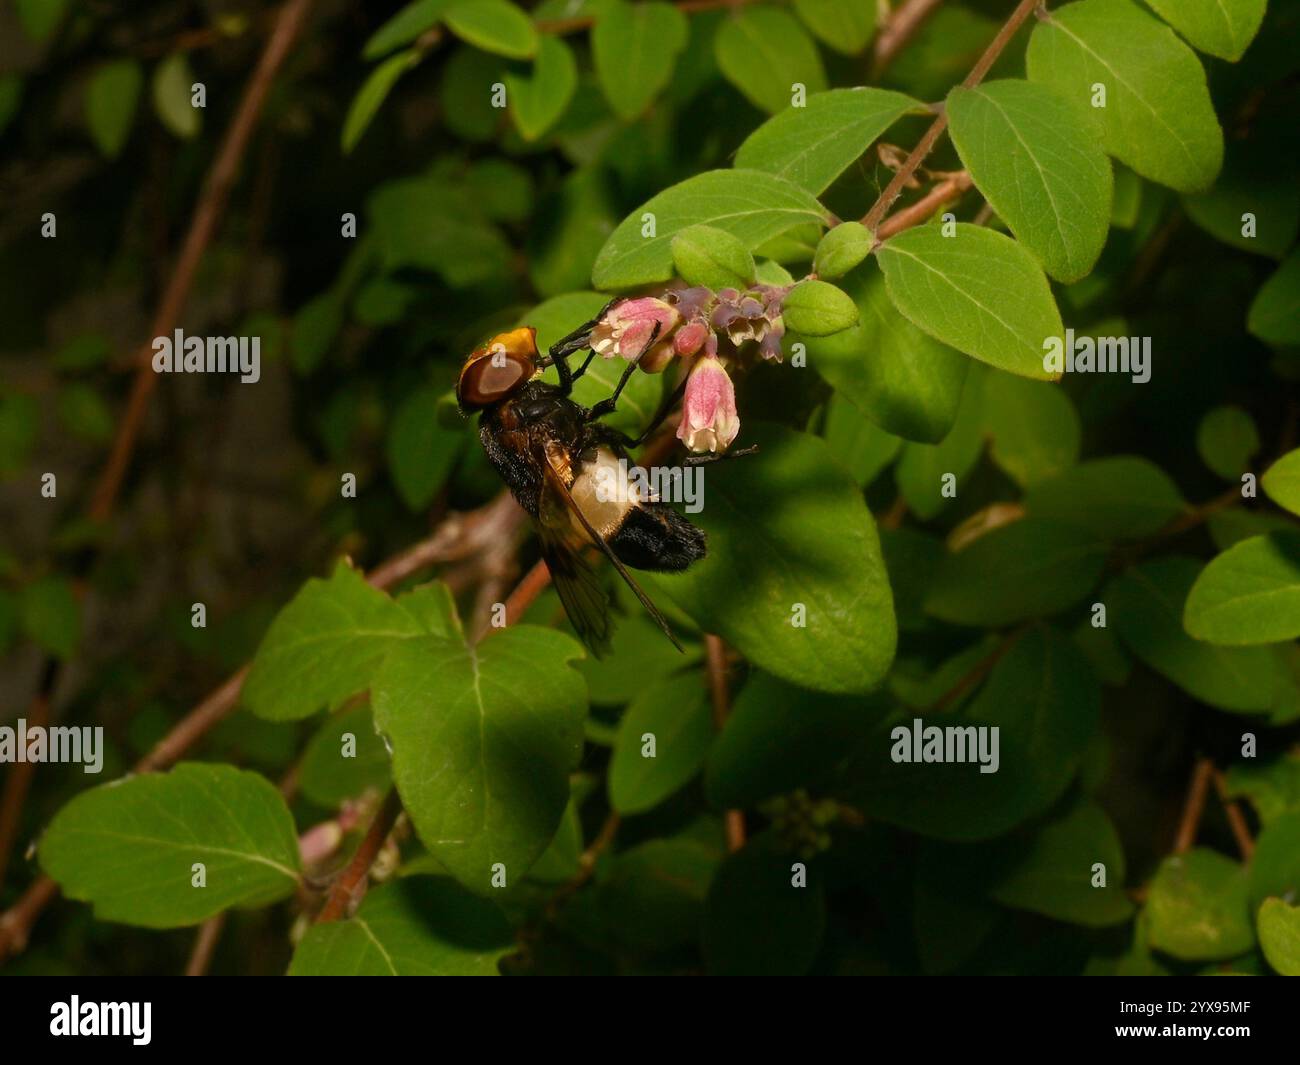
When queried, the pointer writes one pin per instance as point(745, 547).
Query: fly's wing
point(556, 498)
point(576, 582)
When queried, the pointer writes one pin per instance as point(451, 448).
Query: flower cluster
point(689, 324)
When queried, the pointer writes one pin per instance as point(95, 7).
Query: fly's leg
point(575, 341)
point(704, 460)
point(606, 406)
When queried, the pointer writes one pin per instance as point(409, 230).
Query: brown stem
point(901, 28)
point(981, 669)
point(928, 205)
point(586, 862)
point(1194, 806)
point(18, 782)
point(1236, 819)
point(720, 693)
point(928, 139)
point(472, 533)
point(347, 885)
point(205, 945)
point(207, 216)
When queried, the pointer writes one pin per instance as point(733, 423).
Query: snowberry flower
point(629, 326)
point(709, 421)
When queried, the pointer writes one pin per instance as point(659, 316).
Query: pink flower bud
point(691, 337)
point(709, 421)
point(628, 327)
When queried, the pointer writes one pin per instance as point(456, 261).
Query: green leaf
point(1273, 787)
point(85, 414)
point(11, 95)
point(1034, 156)
point(1044, 702)
point(779, 738)
point(704, 255)
point(50, 615)
point(788, 528)
point(634, 48)
point(1219, 27)
point(1145, 605)
point(315, 326)
point(1027, 569)
point(1055, 876)
point(978, 291)
point(1250, 184)
point(1122, 497)
point(1250, 594)
point(421, 452)
point(1034, 428)
point(1197, 908)
point(1158, 117)
point(129, 847)
point(922, 470)
point(639, 400)
point(652, 895)
point(173, 83)
point(1275, 865)
point(1282, 481)
point(404, 27)
point(495, 26)
point(675, 712)
point(483, 739)
point(417, 926)
point(432, 225)
point(903, 380)
point(40, 18)
point(344, 760)
point(365, 105)
point(1279, 936)
point(1275, 312)
point(20, 417)
point(812, 145)
point(818, 309)
point(467, 109)
point(753, 889)
point(844, 25)
point(765, 53)
point(749, 205)
point(326, 644)
point(862, 447)
point(111, 98)
point(538, 100)
point(1226, 439)
point(568, 231)
point(843, 248)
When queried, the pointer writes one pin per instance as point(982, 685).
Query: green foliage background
point(1172, 503)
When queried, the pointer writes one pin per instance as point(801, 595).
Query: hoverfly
point(552, 453)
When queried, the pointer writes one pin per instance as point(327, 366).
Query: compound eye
point(507, 362)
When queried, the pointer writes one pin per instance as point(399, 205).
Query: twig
point(205, 945)
point(18, 782)
point(207, 216)
point(346, 886)
point(1194, 806)
point(978, 672)
point(901, 28)
point(472, 532)
point(716, 657)
point(928, 139)
point(931, 203)
point(1236, 819)
point(586, 863)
